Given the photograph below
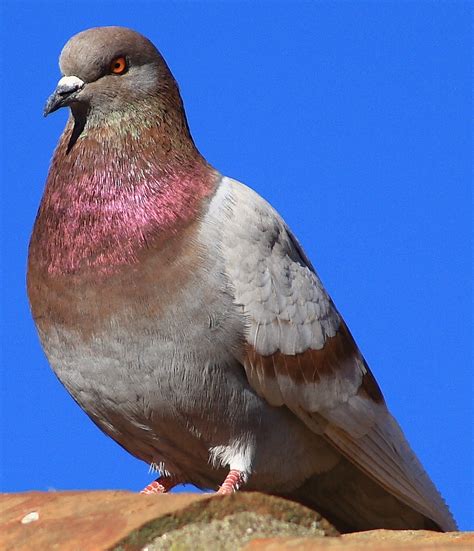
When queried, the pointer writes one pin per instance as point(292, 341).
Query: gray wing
point(299, 353)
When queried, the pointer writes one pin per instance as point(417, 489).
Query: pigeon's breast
point(137, 348)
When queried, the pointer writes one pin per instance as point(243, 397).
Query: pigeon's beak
point(65, 93)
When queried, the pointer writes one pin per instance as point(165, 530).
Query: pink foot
point(232, 482)
point(162, 485)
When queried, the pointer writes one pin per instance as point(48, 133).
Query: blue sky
point(354, 120)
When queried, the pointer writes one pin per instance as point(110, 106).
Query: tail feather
point(385, 455)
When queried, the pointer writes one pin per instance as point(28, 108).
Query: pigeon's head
point(107, 69)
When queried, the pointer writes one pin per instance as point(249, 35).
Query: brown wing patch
point(312, 365)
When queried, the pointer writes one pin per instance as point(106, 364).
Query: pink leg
point(232, 482)
point(162, 485)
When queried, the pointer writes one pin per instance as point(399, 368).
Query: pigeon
point(183, 316)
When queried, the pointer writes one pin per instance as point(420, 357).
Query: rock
point(127, 521)
point(124, 521)
point(373, 540)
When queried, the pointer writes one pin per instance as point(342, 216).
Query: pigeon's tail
point(353, 502)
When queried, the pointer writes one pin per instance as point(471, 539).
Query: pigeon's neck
point(116, 190)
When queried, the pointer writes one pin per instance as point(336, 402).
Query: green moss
point(229, 534)
point(226, 523)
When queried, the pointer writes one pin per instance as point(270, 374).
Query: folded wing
point(300, 354)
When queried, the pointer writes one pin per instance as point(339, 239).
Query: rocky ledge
point(122, 521)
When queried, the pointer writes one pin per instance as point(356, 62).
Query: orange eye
point(118, 65)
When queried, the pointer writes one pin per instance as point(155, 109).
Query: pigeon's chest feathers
point(115, 236)
point(105, 203)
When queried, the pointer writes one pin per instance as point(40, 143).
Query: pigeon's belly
point(182, 404)
point(171, 389)
point(154, 397)
point(158, 370)
point(134, 354)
